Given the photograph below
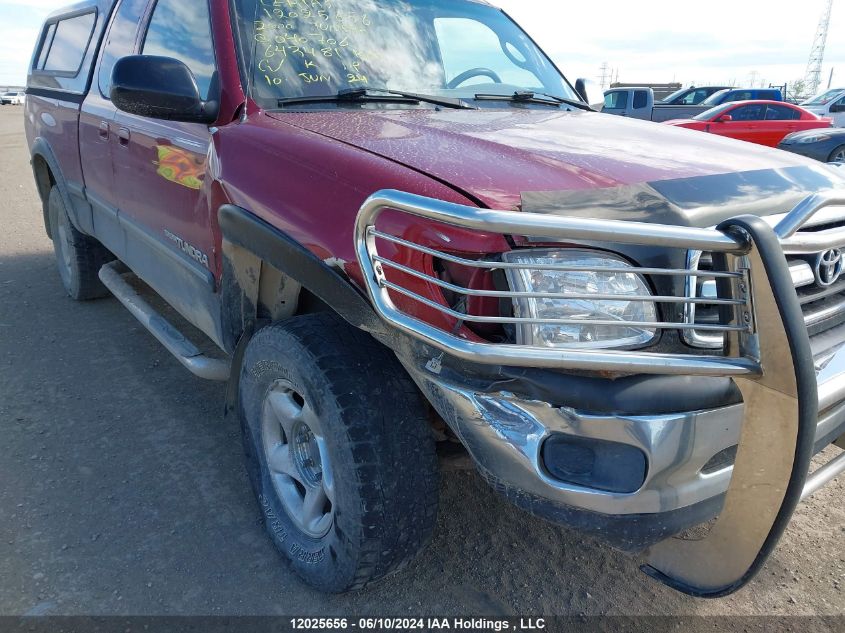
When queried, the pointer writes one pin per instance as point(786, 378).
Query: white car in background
point(830, 104)
point(13, 98)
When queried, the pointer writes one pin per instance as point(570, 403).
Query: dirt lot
point(122, 489)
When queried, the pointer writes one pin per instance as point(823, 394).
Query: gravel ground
point(122, 489)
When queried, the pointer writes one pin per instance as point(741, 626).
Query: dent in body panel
point(700, 201)
point(311, 187)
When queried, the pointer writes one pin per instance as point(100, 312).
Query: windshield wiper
point(528, 96)
point(377, 95)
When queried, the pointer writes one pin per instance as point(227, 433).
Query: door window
point(182, 30)
point(45, 46)
point(640, 99)
point(616, 100)
point(781, 113)
point(68, 44)
point(121, 40)
point(752, 112)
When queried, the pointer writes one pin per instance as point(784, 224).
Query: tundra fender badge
point(190, 250)
point(776, 443)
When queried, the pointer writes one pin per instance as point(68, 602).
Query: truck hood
point(499, 156)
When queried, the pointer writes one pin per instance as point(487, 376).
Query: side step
point(185, 352)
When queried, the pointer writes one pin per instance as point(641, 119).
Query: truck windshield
point(824, 98)
point(715, 98)
point(319, 48)
point(675, 95)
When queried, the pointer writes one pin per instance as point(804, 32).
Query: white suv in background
point(829, 104)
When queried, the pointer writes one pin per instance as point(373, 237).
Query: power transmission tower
point(813, 78)
point(605, 76)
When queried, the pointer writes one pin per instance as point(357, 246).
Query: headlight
point(813, 139)
point(582, 284)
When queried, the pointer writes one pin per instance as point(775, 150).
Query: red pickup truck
point(403, 228)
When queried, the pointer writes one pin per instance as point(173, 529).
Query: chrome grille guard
point(767, 352)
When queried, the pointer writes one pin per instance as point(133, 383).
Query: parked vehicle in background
point(638, 103)
point(13, 98)
point(691, 96)
point(742, 94)
point(827, 146)
point(419, 231)
point(828, 104)
point(760, 122)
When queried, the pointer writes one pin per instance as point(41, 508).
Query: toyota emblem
point(829, 267)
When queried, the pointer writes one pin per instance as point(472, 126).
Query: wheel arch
point(269, 277)
point(47, 174)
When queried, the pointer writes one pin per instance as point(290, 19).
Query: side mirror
point(725, 118)
point(581, 89)
point(160, 88)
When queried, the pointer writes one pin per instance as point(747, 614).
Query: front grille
point(823, 305)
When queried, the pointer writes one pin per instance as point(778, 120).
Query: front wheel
point(339, 449)
point(838, 155)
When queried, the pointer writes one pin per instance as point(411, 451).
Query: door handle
point(104, 130)
point(123, 136)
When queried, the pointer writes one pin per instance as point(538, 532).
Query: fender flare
point(42, 149)
point(249, 232)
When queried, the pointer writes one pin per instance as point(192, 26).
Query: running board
point(173, 340)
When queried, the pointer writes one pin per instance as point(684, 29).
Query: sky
point(654, 41)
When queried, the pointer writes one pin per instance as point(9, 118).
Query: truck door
point(642, 105)
point(161, 167)
point(96, 127)
point(616, 102)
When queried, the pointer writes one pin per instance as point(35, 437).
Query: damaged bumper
point(542, 456)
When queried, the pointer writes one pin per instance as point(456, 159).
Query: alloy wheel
point(298, 460)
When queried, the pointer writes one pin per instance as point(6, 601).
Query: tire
point(369, 455)
point(838, 155)
point(78, 256)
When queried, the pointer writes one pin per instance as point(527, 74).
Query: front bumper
point(767, 353)
point(685, 480)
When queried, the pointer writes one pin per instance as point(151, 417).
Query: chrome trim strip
point(804, 212)
point(831, 380)
point(537, 224)
point(802, 274)
point(469, 318)
point(815, 317)
point(473, 263)
point(501, 294)
point(805, 243)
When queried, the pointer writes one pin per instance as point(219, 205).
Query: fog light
point(596, 464)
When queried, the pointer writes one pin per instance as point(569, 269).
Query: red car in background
point(761, 122)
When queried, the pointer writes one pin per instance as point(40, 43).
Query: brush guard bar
point(767, 353)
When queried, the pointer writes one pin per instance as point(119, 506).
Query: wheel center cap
point(306, 456)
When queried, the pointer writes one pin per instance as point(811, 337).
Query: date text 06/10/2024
point(420, 624)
